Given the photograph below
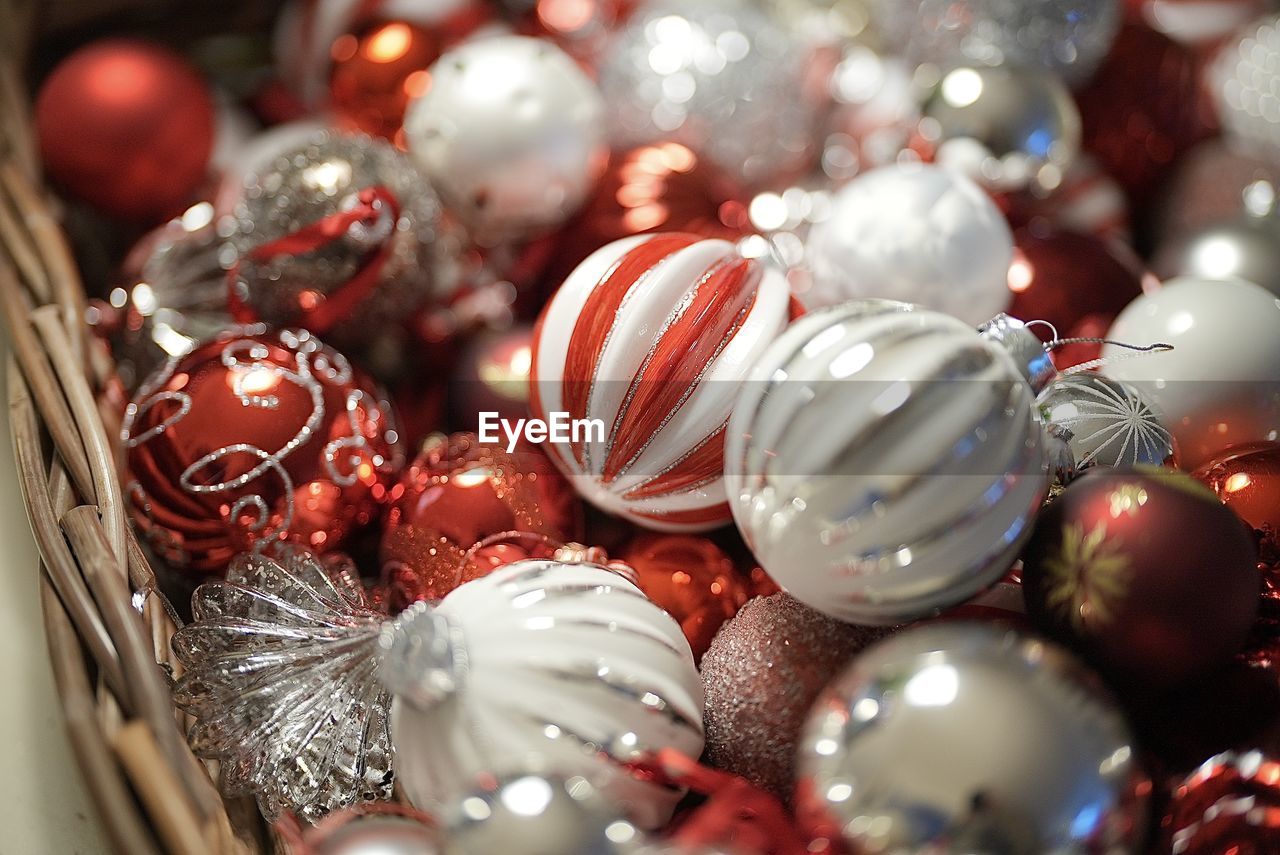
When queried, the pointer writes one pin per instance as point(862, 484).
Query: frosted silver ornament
point(723, 77)
point(884, 462)
point(1095, 421)
point(1005, 127)
point(337, 235)
point(1069, 38)
point(511, 133)
point(970, 737)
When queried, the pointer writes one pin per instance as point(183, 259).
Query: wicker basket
point(108, 625)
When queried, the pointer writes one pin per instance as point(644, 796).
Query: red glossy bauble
point(1145, 572)
point(1231, 804)
point(1144, 108)
point(492, 376)
point(581, 27)
point(127, 127)
point(1247, 480)
point(377, 71)
point(456, 493)
point(254, 439)
point(1077, 282)
point(652, 188)
point(691, 578)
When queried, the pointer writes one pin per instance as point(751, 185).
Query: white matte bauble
point(1220, 385)
point(511, 133)
point(883, 461)
point(547, 665)
point(914, 233)
point(650, 338)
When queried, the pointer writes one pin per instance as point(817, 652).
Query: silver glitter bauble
point(1244, 247)
point(1245, 82)
point(883, 461)
point(722, 77)
point(1095, 421)
point(511, 132)
point(1007, 128)
point(970, 738)
point(297, 259)
point(536, 814)
point(1069, 38)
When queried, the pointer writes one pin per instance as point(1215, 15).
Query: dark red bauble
point(127, 127)
point(1145, 572)
point(255, 439)
point(1247, 480)
point(691, 578)
point(492, 376)
point(1144, 108)
point(1228, 806)
point(1077, 282)
point(458, 492)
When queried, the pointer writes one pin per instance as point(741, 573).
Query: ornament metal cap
point(1027, 350)
point(419, 657)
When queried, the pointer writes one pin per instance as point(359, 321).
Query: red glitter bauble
point(458, 492)
point(1145, 572)
point(691, 578)
point(1077, 282)
point(254, 439)
point(1231, 804)
point(126, 126)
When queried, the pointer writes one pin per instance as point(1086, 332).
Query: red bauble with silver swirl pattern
point(252, 439)
point(652, 336)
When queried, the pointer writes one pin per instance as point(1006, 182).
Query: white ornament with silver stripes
point(884, 462)
point(653, 336)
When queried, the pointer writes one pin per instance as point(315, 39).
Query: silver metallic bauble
point(1245, 82)
point(511, 132)
point(1069, 38)
point(1244, 247)
point(1007, 128)
point(539, 815)
point(970, 738)
point(916, 233)
point(883, 461)
point(377, 833)
point(321, 288)
point(722, 77)
point(1095, 421)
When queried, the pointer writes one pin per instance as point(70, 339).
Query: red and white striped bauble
point(653, 335)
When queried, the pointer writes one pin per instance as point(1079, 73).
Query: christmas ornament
point(375, 828)
point(1199, 23)
point(1006, 127)
point(1213, 183)
point(1076, 282)
point(510, 133)
point(563, 664)
point(1068, 38)
point(1219, 385)
point(1093, 421)
point(876, 108)
point(492, 376)
point(1088, 201)
point(316, 40)
point(1243, 247)
point(456, 493)
point(760, 678)
point(258, 154)
point(339, 236)
point(1245, 87)
point(883, 461)
point(691, 578)
point(1247, 480)
point(1231, 803)
point(581, 28)
point(253, 439)
point(278, 661)
point(539, 815)
point(376, 73)
point(643, 348)
point(126, 126)
point(969, 737)
point(649, 189)
point(721, 77)
point(175, 296)
point(1143, 109)
point(915, 233)
point(1146, 572)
